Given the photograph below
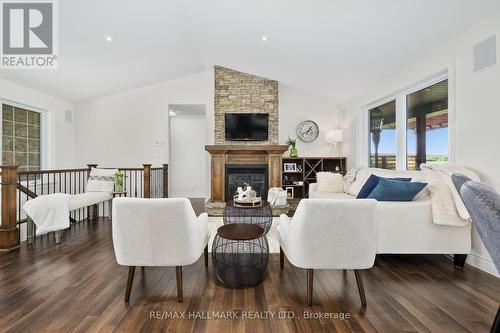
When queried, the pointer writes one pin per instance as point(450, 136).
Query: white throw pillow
point(349, 178)
point(330, 182)
point(101, 180)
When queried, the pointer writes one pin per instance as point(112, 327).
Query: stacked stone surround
point(244, 93)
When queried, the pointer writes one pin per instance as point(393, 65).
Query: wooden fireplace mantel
point(222, 155)
point(246, 149)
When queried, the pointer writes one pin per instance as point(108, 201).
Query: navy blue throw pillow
point(371, 183)
point(396, 190)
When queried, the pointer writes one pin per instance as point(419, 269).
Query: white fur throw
point(330, 182)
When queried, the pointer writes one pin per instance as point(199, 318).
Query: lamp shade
point(334, 136)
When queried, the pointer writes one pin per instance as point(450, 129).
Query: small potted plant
point(291, 142)
point(119, 177)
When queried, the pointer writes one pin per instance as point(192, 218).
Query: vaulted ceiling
point(328, 48)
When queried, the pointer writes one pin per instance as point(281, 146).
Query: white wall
point(121, 129)
point(295, 107)
point(59, 140)
point(474, 108)
point(188, 137)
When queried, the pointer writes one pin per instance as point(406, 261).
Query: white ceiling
point(328, 48)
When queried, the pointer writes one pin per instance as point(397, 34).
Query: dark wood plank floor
point(78, 287)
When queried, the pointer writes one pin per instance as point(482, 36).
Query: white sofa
point(407, 227)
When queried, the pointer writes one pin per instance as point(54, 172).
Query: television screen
point(246, 126)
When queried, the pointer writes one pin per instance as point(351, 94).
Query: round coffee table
point(240, 253)
point(261, 215)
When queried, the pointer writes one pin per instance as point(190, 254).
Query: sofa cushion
point(330, 195)
point(349, 178)
point(364, 173)
point(330, 182)
point(396, 190)
point(372, 182)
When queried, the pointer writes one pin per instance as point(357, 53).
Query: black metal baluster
point(135, 189)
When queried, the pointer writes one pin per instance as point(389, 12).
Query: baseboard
point(483, 264)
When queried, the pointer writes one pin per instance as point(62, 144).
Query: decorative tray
point(248, 202)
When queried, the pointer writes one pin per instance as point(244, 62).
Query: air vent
point(68, 115)
point(485, 53)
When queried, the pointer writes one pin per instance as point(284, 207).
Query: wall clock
point(307, 131)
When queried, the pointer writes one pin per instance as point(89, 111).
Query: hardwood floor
point(77, 286)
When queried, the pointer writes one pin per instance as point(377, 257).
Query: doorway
point(188, 136)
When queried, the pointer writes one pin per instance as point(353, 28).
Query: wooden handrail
point(26, 191)
point(39, 172)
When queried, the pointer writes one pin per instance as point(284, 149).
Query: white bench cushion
point(81, 200)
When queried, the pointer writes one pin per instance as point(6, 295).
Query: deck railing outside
point(19, 186)
point(389, 162)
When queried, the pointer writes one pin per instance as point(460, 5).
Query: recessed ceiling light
point(108, 39)
point(264, 38)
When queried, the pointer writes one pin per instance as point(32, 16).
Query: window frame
point(400, 97)
point(43, 122)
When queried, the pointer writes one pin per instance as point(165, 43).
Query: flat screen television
point(246, 126)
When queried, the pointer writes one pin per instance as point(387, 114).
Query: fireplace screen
point(253, 175)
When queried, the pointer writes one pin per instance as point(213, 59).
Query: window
point(383, 136)
point(410, 129)
point(21, 137)
point(427, 126)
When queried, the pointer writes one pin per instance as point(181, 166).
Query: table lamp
point(334, 137)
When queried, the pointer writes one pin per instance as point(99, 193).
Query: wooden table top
point(240, 231)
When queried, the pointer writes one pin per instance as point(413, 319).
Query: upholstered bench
point(99, 189)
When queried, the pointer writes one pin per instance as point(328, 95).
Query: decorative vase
point(119, 182)
point(294, 152)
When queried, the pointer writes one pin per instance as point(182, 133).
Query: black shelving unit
point(308, 167)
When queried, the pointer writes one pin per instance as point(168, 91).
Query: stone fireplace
point(242, 175)
point(265, 157)
point(234, 163)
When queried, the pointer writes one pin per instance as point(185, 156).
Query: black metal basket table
point(240, 251)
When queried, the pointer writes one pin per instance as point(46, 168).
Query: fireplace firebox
point(242, 175)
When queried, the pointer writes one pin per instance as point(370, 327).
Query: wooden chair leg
point(206, 256)
point(178, 276)
point(361, 287)
point(282, 258)
point(310, 287)
point(130, 281)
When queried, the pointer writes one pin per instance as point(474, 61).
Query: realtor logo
point(28, 35)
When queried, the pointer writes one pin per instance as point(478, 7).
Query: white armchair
point(158, 232)
point(330, 234)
